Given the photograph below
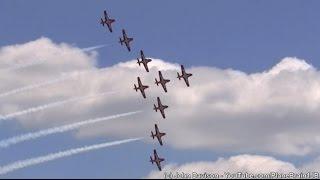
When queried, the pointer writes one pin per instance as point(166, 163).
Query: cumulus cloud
point(230, 167)
point(275, 111)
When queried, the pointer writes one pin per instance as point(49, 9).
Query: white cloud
point(275, 111)
point(291, 65)
point(251, 164)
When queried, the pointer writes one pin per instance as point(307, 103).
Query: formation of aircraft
point(184, 75)
point(162, 81)
point(157, 134)
point(144, 61)
point(156, 159)
point(141, 87)
point(125, 39)
point(160, 107)
point(107, 21)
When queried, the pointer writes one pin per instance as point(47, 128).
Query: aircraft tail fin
point(135, 88)
point(155, 108)
point(157, 82)
point(138, 61)
point(151, 160)
point(179, 77)
point(152, 135)
point(102, 22)
point(120, 40)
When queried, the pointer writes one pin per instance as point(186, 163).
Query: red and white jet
point(184, 75)
point(144, 61)
point(157, 134)
point(156, 159)
point(107, 21)
point(160, 107)
point(141, 87)
point(162, 81)
point(125, 39)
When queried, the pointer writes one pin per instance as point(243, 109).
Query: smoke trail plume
point(47, 106)
point(93, 48)
point(64, 77)
point(33, 86)
point(50, 157)
point(42, 133)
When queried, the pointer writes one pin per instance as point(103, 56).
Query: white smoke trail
point(93, 47)
point(64, 77)
point(50, 157)
point(42, 133)
point(33, 86)
point(50, 105)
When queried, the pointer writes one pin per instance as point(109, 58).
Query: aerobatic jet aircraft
point(160, 107)
point(140, 87)
point(144, 61)
point(156, 159)
point(125, 39)
point(157, 134)
point(107, 21)
point(162, 81)
point(184, 75)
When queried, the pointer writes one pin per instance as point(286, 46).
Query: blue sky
point(245, 35)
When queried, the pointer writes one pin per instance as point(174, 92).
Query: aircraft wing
point(160, 141)
point(128, 46)
point(187, 81)
point(182, 69)
point(142, 55)
point(160, 75)
point(109, 27)
point(162, 113)
point(146, 66)
point(139, 82)
point(105, 14)
point(164, 87)
point(155, 154)
point(124, 33)
point(159, 166)
point(156, 128)
point(143, 93)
